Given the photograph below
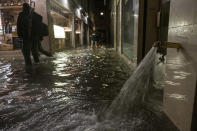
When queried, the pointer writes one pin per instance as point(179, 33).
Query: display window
point(8, 28)
point(129, 18)
point(9, 10)
point(62, 29)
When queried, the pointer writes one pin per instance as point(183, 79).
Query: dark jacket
point(24, 25)
point(36, 25)
point(44, 30)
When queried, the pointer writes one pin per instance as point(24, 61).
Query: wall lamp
point(102, 13)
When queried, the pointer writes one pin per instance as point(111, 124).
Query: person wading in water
point(29, 24)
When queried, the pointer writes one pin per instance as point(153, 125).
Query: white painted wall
point(183, 30)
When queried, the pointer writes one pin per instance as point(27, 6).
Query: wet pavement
point(69, 92)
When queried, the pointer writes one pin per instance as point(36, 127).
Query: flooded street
point(68, 92)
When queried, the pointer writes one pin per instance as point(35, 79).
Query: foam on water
point(135, 88)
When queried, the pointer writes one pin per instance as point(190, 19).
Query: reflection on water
point(68, 93)
point(177, 97)
point(181, 75)
point(173, 83)
point(62, 92)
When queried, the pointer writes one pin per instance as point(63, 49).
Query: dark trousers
point(43, 51)
point(30, 47)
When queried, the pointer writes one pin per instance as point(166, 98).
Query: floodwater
point(69, 92)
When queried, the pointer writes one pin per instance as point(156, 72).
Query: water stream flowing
point(77, 91)
point(136, 87)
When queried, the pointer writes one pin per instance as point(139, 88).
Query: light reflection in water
point(176, 63)
point(61, 62)
point(178, 97)
point(173, 83)
point(59, 90)
point(61, 74)
point(6, 70)
point(64, 91)
point(181, 75)
point(60, 84)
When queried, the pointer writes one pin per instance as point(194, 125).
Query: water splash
point(48, 101)
point(136, 87)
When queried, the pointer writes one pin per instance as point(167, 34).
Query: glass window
point(129, 16)
point(62, 29)
point(62, 23)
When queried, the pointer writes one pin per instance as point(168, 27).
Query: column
point(88, 36)
point(73, 31)
point(82, 34)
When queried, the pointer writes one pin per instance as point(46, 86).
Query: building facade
point(68, 21)
point(137, 24)
point(71, 19)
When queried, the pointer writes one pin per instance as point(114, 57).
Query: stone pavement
point(10, 53)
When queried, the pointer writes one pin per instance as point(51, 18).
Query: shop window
point(62, 29)
point(8, 28)
point(129, 15)
point(60, 23)
point(59, 31)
